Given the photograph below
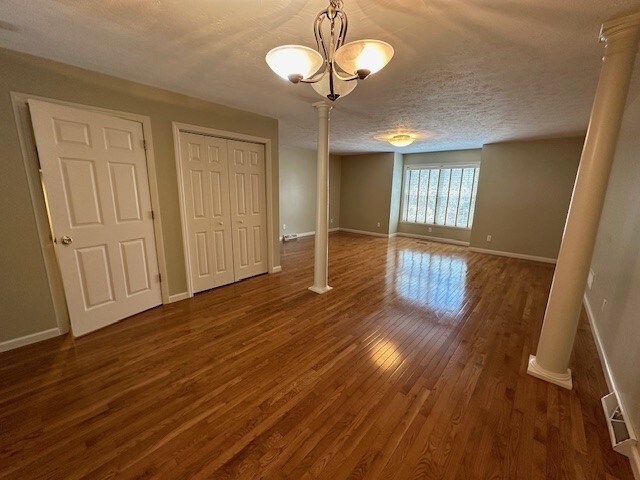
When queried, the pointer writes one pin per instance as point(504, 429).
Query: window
point(440, 196)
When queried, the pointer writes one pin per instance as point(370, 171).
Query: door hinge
point(153, 215)
point(160, 278)
point(144, 145)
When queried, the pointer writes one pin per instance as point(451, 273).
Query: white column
point(551, 362)
point(321, 272)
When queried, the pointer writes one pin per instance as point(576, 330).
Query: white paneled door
point(248, 208)
point(205, 177)
point(224, 199)
point(94, 173)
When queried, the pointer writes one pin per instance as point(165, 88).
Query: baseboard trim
point(364, 232)
point(598, 341)
point(519, 256)
point(311, 234)
point(276, 269)
point(635, 462)
point(29, 339)
point(634, 458)
point(178, 297)
point(606, 368)
point(434, 239)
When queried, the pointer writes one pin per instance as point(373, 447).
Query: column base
point(561, 379)
point(320, 290)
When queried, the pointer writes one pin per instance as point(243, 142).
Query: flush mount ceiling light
point(401, 140)
point(334, 68)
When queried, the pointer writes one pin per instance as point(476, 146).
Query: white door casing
point(248, 208)
point(95, 176)
point(205, 177)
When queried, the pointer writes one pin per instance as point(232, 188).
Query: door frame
point(241, 137)
point(39, 200)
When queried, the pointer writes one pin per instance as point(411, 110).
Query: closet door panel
point(205, 177)
point(248, 208)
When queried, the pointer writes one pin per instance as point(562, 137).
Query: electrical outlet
point(604, 304)
point(430, 229)
point(591, 278)
point(332, 220)
point(284, 226)
point(378, 224)
point(488, 238)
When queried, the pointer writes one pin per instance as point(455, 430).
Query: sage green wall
point(524, 192)
point(365, 192)
point(297, 190)
point(616, 265)
point(440, 158)
point(335, 183)
point(25, 303)
point(457, 234)
point(298, 171)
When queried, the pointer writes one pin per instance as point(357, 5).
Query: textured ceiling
point(466, 72)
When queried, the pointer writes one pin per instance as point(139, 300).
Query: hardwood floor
point(414, 366)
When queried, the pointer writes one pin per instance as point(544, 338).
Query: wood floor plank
point(414, 366)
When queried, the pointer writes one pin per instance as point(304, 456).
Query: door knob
point(241, 221)
point(66, 240)
point(220, 223)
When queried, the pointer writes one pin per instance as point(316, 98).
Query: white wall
point(616, 264)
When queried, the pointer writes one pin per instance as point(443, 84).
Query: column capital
point(323, 106)
point(622, 31)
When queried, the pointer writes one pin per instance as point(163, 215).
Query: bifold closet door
point(205, 177)
point(248, 208)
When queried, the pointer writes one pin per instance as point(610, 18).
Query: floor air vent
point(291, 236)
point(622, 437)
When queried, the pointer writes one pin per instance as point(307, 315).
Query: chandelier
point(335, 67)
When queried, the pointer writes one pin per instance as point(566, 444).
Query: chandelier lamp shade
point(402, 140)
point(335, 67)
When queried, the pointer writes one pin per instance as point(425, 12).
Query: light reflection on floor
point(435, 280)
point(386, 355)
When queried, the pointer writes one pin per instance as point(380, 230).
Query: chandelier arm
point(317, 30)
point(316, 78)
point(350, 78)
point(344, 24)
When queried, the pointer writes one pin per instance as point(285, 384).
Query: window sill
point(433, 225)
